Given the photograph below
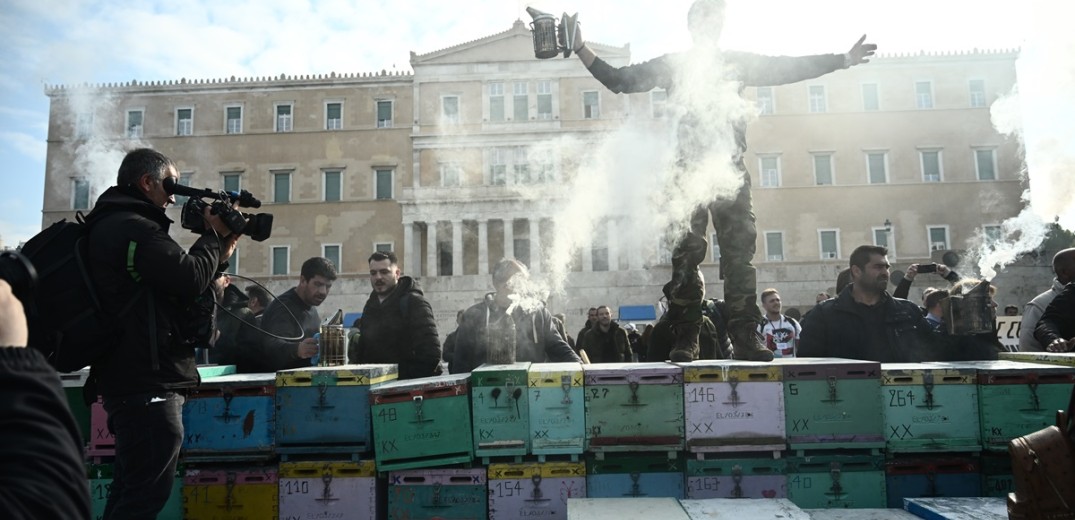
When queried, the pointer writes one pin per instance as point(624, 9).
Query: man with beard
point(865, 322)
point(606, 341)
point(693, 79)
point(397, 323)
point(297, 304)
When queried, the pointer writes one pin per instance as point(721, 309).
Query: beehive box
point(327, 409)
point(935, 476)
point(100, 481)
point(101, 442)
point(344, 490)
point(500, 408)
point(634, 406)
point(422, 422)
point(231, 492)
point(1016, 399)
point(535, 489)
point(737, 478)
point(231, 417)
point(733, 406)
point(997, 478)
point(837, 480)
point(72, 389)
point(634, 475)
point(557, 410)
point(1066, 359)
point(832, 403)
point(930, 408)
point(442, 494)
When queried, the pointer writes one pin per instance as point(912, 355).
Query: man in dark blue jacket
point(137, 265)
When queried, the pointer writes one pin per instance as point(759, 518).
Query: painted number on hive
point(508, 489)
point(897, 398)
point(798, 482)
point(387, 414)
point(703, 395)
point(295, 487)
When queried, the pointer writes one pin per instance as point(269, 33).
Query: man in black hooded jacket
point(136, 265)
point(397, 323)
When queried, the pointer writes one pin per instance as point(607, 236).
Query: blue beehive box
point(832, 403)
point(997, 478)
point(501, 409)
point(620, 475)
point(634, 406)
point(930, 408)
point(936, 476)
point(327, 409)
point(442, 494)
point(557, 410)
point(231, 417)
point(420, 423)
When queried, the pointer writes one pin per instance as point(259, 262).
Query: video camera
point(17, 271)
point(256, 226)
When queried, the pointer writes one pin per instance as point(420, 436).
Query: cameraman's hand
point(227, 247)
point(214, 222)
point(307, 348)
point(912, 270)
point(13, 330)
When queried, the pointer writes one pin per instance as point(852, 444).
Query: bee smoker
point(550, 39)
point(971, 312)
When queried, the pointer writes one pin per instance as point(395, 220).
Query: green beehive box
point(501, 409)
point(72, 389)
point(1016, 399)
point(421, 423)
point(634, 406)
point(997, 478)
point(557, 411)
point(928, 408)
point(837, 481)
point(100, 482)
point(832, 403)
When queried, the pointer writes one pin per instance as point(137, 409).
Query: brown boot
point(747, 343)
point(685, 343)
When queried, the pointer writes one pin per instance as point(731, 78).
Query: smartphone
point(927, 268)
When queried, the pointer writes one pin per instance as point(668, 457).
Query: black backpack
point(65, 317)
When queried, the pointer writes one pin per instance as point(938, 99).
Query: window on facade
point(977, 93)
point(184, 121)
point(233, 262)
point(542, 168)
point(232, 181)
point(384, 114)
point(774, 246)
point(766, 101)
point(496, 103)
point(84, 125)
point(544, 99)
point(383, 247)
point(449, 110)
point(992, 233)
point(870, 100)
point(281, 183)
point(184, 180)
point(134, 123)
point(770, 171)
point(923, 91)
point(451, 174)
point(883, 237)
point(829, 240)
point(80, 194)
point(234, 120)
point(984, 161)
point(520, 102)
point(823, 169)
point(498, 166)
point(590, 106)
point(283, 118)
point(875, 163)
point(280, 257)
point(658, 100)
point(334, 116)
point(383, 180)
point(817, 99)
point(938, 238)
point(521, 165)
point(931, 165)
point(332, 253)
point(599, 250)
point(333, 187)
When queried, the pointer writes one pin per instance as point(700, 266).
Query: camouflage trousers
point(737, 236)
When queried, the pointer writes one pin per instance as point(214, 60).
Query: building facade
point(452, 167)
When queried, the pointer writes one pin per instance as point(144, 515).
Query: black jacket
point(400, 330)
point(268, 354)
point(1059, 318)
point(41, 475)
point(130, 249)
point(535, 336)
point(607, 347)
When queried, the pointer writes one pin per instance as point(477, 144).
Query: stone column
point(483, 247)
point(535, 244)
point(457, 247)
point(509, 237)
point(587, 257)
point(410, 259)
point(431, 248)
point(613, 245)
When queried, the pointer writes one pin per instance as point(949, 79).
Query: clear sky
point(101, 41)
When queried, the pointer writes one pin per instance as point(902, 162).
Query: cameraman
point(41, 475)
point(148, 281)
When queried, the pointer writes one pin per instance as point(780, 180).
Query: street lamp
point(888, 233)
